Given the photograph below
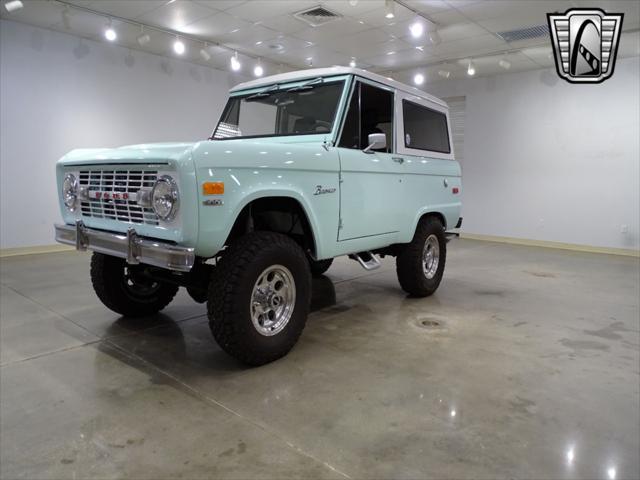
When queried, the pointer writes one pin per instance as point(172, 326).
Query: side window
point(370, 111)
point(424, 128)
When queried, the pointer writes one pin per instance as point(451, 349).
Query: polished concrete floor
point(524, 364)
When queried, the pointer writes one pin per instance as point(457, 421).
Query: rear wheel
point(259, 297)
point(124, 289)
point(420, 265)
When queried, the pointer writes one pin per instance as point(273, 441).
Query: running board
point(368, 260)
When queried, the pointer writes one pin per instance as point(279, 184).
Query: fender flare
point(278, 193)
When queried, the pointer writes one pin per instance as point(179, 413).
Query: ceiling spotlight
point(66, 22)
point(143, 38)
point(353, 3)
point(418, 79)
point(206, 56)
point(444, 73)
point(235, 63)
point(434, 37)
point(110, 34)
point(504, 63)
point(13, 5)
point(471, 69)
point(390, 7)
point(416, 29)
point(258, 71)
point(352, 63)
point(178, 46)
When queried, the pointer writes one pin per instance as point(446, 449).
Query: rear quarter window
point(424, 128)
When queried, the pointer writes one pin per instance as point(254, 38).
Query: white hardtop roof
point(333, 71)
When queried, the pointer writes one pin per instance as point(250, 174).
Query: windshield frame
point(335, 122)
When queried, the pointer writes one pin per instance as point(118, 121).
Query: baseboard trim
point(549, 244)
point(14, 252)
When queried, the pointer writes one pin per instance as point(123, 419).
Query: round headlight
point(164, 198)
point(70, 191)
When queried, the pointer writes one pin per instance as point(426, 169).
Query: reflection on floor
point(524, 364)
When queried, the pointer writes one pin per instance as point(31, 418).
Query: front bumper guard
point(128, 246)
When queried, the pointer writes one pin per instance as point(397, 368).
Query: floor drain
point(430, 323)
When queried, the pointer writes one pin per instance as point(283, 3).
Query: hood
point(142, 153)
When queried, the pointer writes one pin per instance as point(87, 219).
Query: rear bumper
point(128, 246)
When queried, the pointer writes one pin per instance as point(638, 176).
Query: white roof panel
point(333, 71)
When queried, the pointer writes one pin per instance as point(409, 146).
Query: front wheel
point(124, 289)
point(319, 267)
point(259, 297)
point(420, 265)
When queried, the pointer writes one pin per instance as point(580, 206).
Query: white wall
point(549, 160)
point(57, 93)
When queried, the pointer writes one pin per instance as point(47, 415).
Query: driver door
point(370, 183)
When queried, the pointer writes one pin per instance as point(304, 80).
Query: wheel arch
point(257, 213)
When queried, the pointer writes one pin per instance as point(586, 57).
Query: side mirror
point(376, 141)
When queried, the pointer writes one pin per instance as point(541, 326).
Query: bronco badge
point(585, 44)
point(320, 190)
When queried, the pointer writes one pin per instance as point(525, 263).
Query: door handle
point(398, 159)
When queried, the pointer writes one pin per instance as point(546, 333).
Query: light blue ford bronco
point(302, 167)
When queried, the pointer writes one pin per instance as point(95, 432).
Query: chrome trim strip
point(129, 246)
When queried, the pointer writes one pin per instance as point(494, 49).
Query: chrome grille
point(117, 181)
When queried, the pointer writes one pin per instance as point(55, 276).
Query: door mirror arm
point(376, 141)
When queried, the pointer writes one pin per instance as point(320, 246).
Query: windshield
point(306, 109)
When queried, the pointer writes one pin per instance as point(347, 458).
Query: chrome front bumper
point(128, 246)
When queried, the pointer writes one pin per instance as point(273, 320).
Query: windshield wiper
point(264, 93)
point(311, 84)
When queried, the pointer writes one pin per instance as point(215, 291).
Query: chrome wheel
point(273, 300)
point(430, 256)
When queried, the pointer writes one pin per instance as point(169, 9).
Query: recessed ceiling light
point(391, 53)
point(235, 63)
point(418, 79)
point(259, 42)
point(504, 63)
point(143, 38)
point(420, 47)
point(13, 5)
point(444, 73)
point(352, 63)
point(179, 47)
point(471, 69)
point(416, 29)
point(109, 33)
point(390, 7)
point(66, 22)
point(258, 71)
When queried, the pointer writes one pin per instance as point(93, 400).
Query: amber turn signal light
point(213, 188)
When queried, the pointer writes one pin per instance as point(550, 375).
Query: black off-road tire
point(318, 267)
point(230, 296)
point(108, 276)
point(409, 264)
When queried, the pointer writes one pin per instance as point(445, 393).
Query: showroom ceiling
point(436, 38)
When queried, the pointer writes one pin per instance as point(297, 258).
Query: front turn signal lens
point(213, 188)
